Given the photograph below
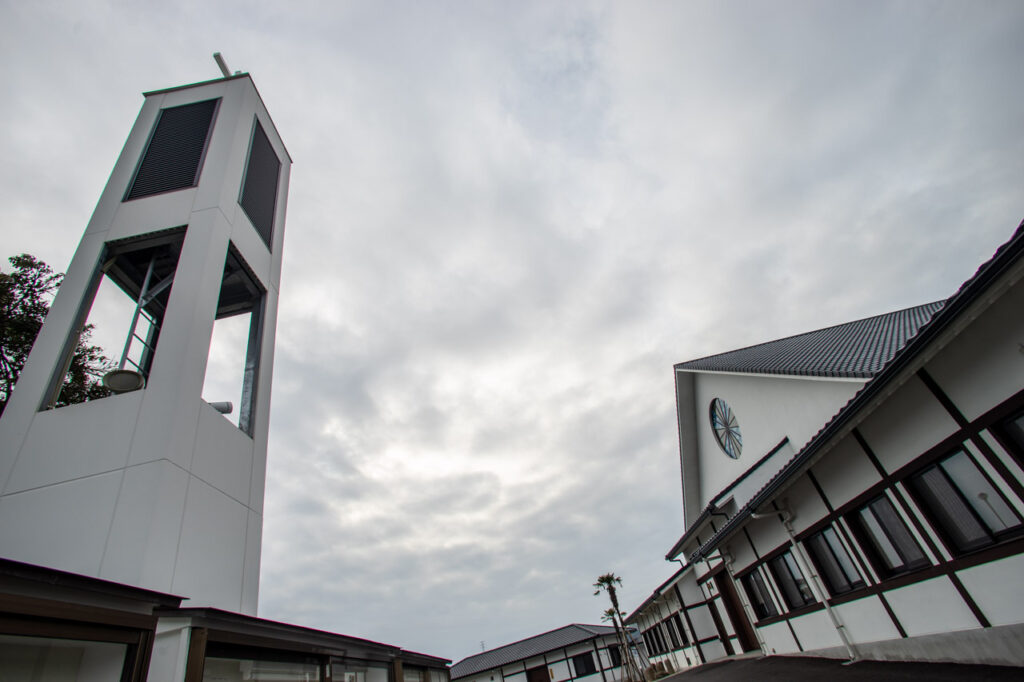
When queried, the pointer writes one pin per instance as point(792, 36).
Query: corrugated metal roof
point(856, 349)
point(527, 648)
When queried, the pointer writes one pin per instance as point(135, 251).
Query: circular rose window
point(726, 428)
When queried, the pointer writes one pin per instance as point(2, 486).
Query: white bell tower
point(152, 486)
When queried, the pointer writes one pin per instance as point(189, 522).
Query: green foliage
point(25, 295)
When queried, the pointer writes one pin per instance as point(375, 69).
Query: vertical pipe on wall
point(808, 567)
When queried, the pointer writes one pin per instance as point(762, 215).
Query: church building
point(857, 491)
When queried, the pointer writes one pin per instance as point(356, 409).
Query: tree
point(607, 583)
point(25, 296)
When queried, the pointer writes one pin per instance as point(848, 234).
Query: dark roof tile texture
point(856, 349)
point(527, 648)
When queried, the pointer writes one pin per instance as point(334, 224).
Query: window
point(963, 503)
point(233, 662)
point(886, 539)
point(174, 154)
point(614, 656)
point(833, 562)
point(681, 629)
point(584, 664)
point(259, 188)
point(37, 658)
point(671, 633)
point(790, 578)
point(1012, 432)
point(760, 597)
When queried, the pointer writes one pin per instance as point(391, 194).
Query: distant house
point(573, 652)
point(856, 491)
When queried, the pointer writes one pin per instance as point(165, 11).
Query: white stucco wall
point(768, 409)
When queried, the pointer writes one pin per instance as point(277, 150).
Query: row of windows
point(654, 637)
point(962, 503)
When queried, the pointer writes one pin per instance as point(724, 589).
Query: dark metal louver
point(259, 188)
point(175, 152)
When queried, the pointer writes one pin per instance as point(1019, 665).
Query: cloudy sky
point(507, 221)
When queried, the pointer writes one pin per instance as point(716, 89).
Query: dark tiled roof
point(527, 648)
point(856, 349)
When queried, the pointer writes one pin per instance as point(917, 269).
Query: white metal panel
point(101, 431)
point(778, 639)
point(845, 472)
point(929, 607)
point(212, 550)
point(144, 535)
point(983, 366)
point(911, 422)
point(251, 570)
point(805, 503)
point(225, 460)
point(866, 620)
point(815, 631)
point(997, 588)
point(559, 671)
point(62, 526)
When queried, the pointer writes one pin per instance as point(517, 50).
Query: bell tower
point(153, 486)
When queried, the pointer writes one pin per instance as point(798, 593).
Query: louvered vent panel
point(259, 188)
point(175, 153)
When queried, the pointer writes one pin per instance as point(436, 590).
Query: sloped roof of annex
point(528, 648)
point(857, 349)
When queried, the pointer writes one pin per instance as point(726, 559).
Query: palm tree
point(607, 583)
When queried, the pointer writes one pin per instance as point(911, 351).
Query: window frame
point(1011, 436)
point(588, 656)
point(925, 495)
point(865, 537)
point(755, 586)
point(782, 568)
point(819, 544)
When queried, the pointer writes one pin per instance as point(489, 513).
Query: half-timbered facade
point(588, 653)
point(857, 491)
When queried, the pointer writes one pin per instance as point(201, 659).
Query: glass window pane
point(883, 546)
point(950, 511)
point(830, 569)
point(980, 494)
point(60, 660)
point(898, 533)
point(842, 556)
point(1014, 428)
point(249, 670)
point(798, 577)
point(584, 664)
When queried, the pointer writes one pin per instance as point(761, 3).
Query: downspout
point(747, 608)
point(808, 566)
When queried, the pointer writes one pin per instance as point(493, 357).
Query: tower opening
point(123, 309)
point(232, 366)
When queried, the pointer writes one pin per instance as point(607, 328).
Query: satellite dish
point(123, 380)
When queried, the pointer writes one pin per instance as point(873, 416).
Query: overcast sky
point(507, 222)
